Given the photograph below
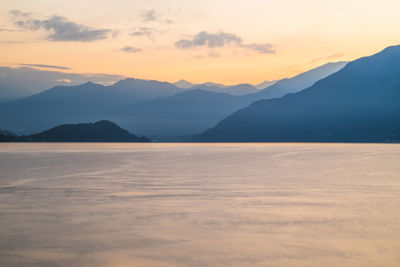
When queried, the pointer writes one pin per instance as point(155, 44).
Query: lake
point(97, 204)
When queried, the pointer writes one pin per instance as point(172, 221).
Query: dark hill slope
point(101, 131)
point(360, 103)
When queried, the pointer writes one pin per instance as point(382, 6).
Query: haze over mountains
point(18, 82)
point(141, 106)
point(239, 89)
point(181, 114)
point(25, 81)
point(72, 104)
point(359, 103)
point(300, 81)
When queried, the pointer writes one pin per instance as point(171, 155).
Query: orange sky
point(242, 41)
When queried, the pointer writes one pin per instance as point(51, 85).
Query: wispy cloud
point(45, 66)
point(168, 21)
point(64, 81)
point(150, 15)
point(144, 31)
point(153, 15)
point(9, 30)
point(221, 39)
point(115, 33)
point(14, 42)
point(130, 49)
point(59, 28)
point(209, 39)
point(214, 55)
point(260, 48)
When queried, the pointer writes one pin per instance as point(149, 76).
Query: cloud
point(64, 81)
point(14, 42)
point(9, 30)
point(19, 13)
point(46, 66)
point(150, 15)
point(260, 48)
point(221, 39)
point(59, 28)
point(214, 55)
point(144, 31)
point(130, 49)
point(168, 21)
point(153, 15)
point(209, 39)
point(115, 33)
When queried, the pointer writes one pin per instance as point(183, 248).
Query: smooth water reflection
point(199, 205)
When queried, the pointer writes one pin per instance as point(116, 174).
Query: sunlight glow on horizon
point(141, 39)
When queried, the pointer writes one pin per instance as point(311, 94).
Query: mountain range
point(186, 113)
point(74, 104)
point(359, 103)
point(299, 82)
point(20, 82)
point(149, 108)
point(239, 89)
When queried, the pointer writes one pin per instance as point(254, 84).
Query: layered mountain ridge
point(359, 103)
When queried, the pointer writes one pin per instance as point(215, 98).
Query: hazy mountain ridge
point(265, 84)
point(239, 89)
point(299, 82)
point(184, 113)
point(361, 102)
point(157, 108)
point(74, 104)
point(25, 81)
point(194, 110)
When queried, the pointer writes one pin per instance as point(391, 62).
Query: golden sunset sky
point(218, 41)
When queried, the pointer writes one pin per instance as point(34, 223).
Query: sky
point(221, 41)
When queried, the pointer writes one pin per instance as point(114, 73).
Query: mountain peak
point(125, 81)
point(184, 84)
point(89, 83)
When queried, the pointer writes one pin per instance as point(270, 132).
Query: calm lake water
point(199, 205)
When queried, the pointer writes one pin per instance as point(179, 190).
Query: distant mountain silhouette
point(74, 104)
point(141, 90)
point(239, 89)
point(271, 89)
point(184, 84)
point(185, 113)
point(146, 107)
point(359, 103)
point(265, 84)
point(25, 81)
point(101, 131)
point(299, 82)
point(188, 85)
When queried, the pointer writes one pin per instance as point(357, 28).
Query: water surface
point(199, 204)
